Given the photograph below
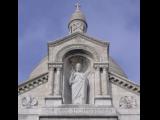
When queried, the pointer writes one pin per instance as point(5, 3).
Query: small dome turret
point(77, 21)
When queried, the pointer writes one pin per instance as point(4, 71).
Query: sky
point(115, 21)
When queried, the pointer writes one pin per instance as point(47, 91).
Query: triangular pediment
point(77, 35)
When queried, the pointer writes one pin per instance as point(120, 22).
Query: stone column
point(50, 79)
point(57, 81)
point(105, 81)
point(55, 97)
point(97, 81)
point(101, 85)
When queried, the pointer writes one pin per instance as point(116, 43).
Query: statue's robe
point(79, 84)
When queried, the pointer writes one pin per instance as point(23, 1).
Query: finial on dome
point(77, 5)
point(77, 21)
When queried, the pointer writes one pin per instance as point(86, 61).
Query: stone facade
point(47, 93)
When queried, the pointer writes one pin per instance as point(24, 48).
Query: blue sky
point(115, 21)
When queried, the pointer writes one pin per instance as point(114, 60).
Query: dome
point(42, 68)
point(114, 67)
point(77, 15)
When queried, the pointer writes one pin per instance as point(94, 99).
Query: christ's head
point(78, 67)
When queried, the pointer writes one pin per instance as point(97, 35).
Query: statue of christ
point(79, 84)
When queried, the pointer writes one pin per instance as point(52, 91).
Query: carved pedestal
point(53, 101)
point(103, 100)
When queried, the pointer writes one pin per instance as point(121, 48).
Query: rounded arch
point(79, 47)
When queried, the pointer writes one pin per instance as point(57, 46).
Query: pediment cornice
point(124, 83)
point(32, 83)
point(76, 35)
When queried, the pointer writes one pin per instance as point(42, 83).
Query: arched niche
point(70, 57)
point(88, 50)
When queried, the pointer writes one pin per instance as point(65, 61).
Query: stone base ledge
point(80, 110)
point(53, 101)
point(103, 100)
point(68, 111)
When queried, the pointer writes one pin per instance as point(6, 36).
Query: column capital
point(59, 68)
point(57, 65)
point(50, 67)
point(105, 68)
point(96, 67)
point(103, 65)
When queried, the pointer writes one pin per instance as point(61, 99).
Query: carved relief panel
point(128, 102)
point(29, 102)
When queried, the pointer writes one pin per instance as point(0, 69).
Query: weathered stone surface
point(105, 95)
point(67, 54)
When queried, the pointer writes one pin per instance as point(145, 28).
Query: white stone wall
point(125, 113)
point(38, 93)
point(28, 117)
point(32, 103)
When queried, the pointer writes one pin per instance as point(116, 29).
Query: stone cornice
point(32, 83)
point(74, 35)
point(101, 64)
point(124, 83)
point(55, 65)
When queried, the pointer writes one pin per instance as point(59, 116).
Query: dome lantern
point(77, 21)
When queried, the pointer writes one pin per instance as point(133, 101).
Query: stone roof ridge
point(68, 37)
